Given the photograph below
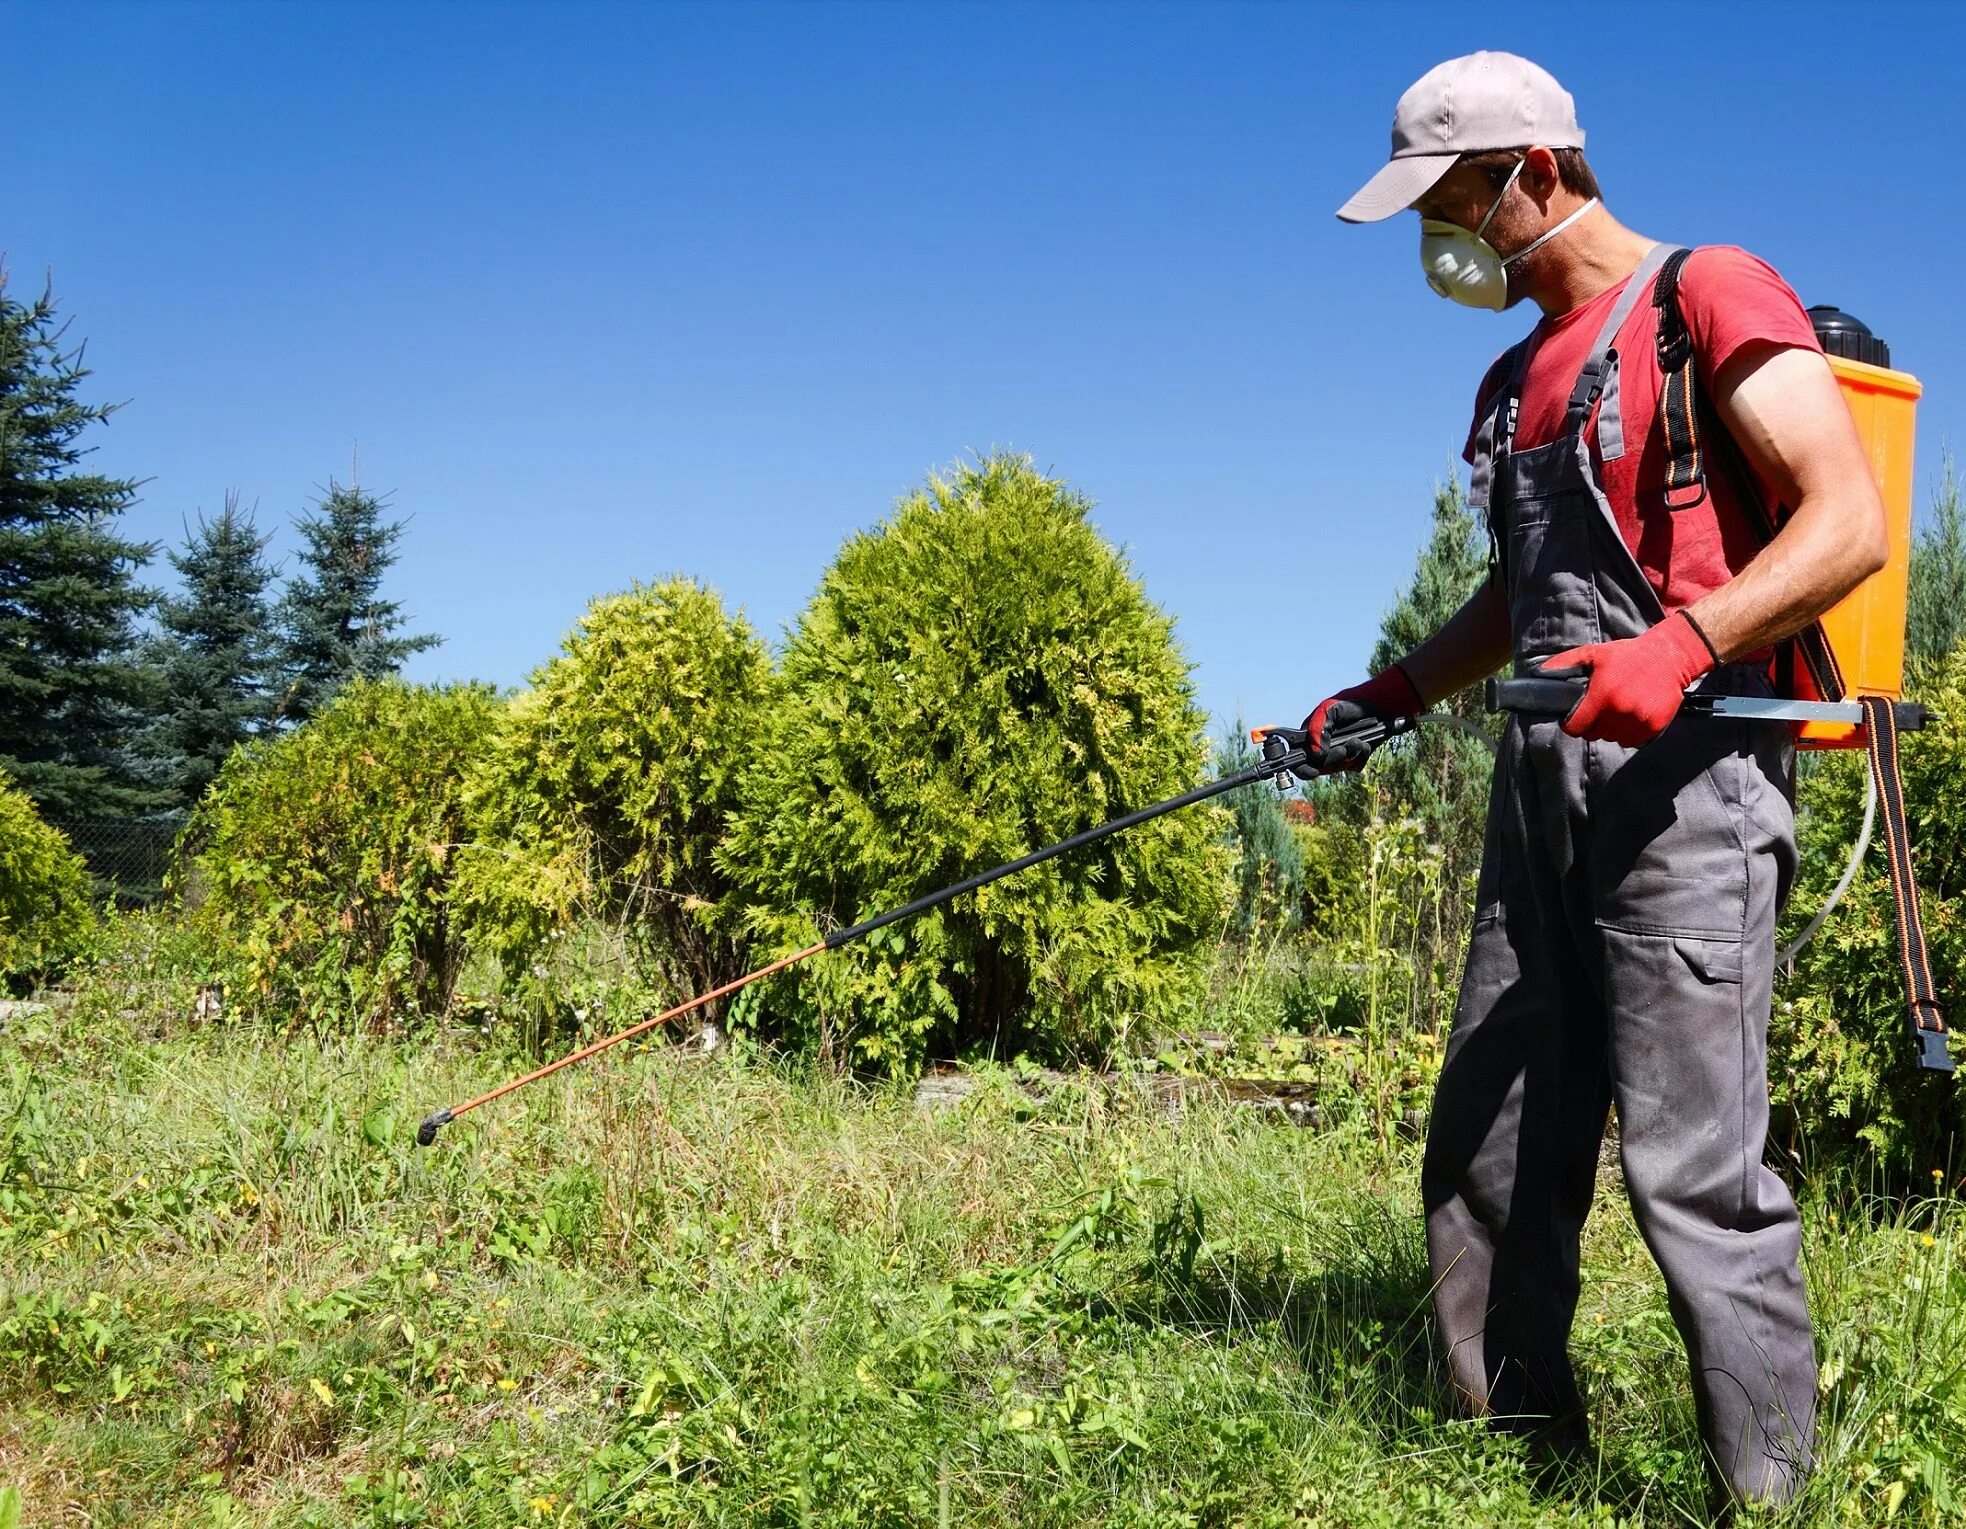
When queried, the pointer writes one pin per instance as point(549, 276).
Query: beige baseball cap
point(1464, 106)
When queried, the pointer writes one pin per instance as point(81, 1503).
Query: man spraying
point(1635, 859)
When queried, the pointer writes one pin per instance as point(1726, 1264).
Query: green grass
point(658, 1290)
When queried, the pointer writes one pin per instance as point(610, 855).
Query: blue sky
point(605, 292)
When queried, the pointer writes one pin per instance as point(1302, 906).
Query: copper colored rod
point(427, 1132)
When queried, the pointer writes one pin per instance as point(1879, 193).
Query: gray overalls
point(1623, 949)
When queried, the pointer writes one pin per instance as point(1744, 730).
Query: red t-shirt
point(1730, 299)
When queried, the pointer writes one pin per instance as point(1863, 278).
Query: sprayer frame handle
point(1548, 695)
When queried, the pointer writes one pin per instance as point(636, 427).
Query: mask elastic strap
point(1543, 239)
point(1500, 197)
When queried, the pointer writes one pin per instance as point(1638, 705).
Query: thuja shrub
point(977, 676)
point(1839, 1040)
point(607, 785)
point(46, 916)
point(323, 860)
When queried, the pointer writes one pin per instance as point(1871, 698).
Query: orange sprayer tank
point(1866, 629)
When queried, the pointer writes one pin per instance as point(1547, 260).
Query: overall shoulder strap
point(1494, 437)
point(1598, 377)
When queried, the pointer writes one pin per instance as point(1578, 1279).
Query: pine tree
point(1439, 776)
point(337, 626)
point(1436, 775)
point(72, 689)
point(1935, 618)
point(217, 652)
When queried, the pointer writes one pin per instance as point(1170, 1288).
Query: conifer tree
point(336, 625)
point(1935, 619)
point(216, 656)
point(72, 689)
point(1436, 775)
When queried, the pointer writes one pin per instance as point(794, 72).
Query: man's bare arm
point(1470, 645)
point(1783, 407)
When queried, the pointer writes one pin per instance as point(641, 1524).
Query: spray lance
point(1286, 752)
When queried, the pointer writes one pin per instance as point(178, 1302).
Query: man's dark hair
point(1572, 169)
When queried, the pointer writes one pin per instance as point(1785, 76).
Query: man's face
point(1464, 195)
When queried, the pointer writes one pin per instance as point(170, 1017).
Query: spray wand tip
point(427, 1132)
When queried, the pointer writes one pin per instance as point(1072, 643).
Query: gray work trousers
point(1620, 889)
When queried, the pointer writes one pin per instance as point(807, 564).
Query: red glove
point(1387, 694)
point(1636, 683)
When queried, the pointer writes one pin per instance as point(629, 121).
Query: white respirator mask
point(1465, 268)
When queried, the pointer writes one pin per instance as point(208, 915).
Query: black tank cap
point(1842, 335)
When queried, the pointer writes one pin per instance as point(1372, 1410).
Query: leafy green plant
point(606, 788)
point(976, 677)
point(1839, 1042)
point(323, 864)
point(46, 916)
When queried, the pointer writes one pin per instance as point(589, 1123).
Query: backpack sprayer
point(1286, 753)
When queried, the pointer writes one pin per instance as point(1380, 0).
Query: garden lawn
point(664, 1290)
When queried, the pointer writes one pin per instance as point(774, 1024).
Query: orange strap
point(1928, 1026)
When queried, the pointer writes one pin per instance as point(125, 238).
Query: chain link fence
point(128, 857)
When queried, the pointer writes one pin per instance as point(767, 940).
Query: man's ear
point(1540, 177)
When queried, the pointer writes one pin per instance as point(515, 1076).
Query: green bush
point(979, 675)
point(1839, 1041)
point(324, 865)
point(606, 787)
point(46, 916)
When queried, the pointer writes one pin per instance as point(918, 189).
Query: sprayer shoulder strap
point(1690, 423)
point(1928, 1027)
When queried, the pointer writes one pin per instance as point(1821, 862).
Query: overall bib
point(1622, 951)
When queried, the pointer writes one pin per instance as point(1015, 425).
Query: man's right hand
point(1386, 695)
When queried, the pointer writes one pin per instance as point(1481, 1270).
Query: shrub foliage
point(975, 677)
point(324, 858)
point(46, 916)
point(1839, 1042)
point(607, 785)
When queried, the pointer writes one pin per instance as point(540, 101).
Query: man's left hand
point(1636, 683)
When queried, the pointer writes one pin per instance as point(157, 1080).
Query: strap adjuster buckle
point(1930, 1054)
point(1698, 489)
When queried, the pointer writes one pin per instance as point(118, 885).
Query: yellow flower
point(1929, 1240)
point(541, 1506)
point(507, 1383)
